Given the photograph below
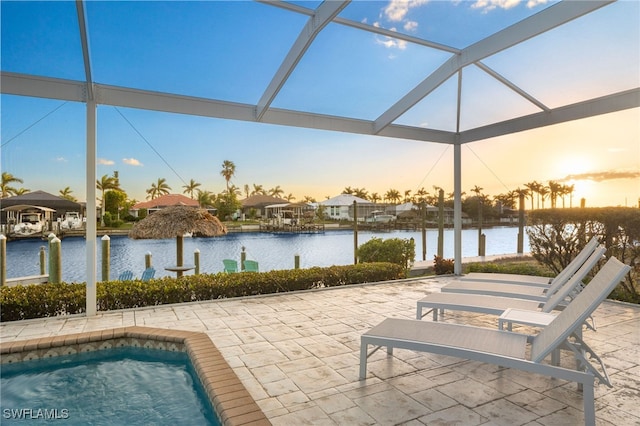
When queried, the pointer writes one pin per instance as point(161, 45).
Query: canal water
point(272, 251)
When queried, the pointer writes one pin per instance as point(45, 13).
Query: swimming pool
point(125, 385)
point(227, 395)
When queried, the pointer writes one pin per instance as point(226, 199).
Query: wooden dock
point(303, 228)
point(32, 279)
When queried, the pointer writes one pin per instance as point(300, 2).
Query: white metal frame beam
point(91, 167)
point(364, 27)
point(537, 24)
point(604, 105)
point(68, 90)
point(321, 18)
point(511, 86)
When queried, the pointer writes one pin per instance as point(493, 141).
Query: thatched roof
point(176, 221)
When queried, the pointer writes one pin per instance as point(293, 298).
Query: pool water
point(120, 386)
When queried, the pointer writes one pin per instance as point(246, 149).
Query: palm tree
point(66, 194)
point(407, 195)
point(516, 194)
point(477, 190)
point(289, 197)
point(308, 199)
point(420, 196)
point(392, 195)
point(234, 190)
point(258, 190)
point(347, 190)
point(276, 192)
point(106, 183)
point(190, 188)
point(533, 187)
point(374, 197)
point(205, 198)
point(361, 193)
point(543, 191)
point(247, 190)
point(8, 179)
point(569, 190)
point(22, 191)
point(228, 171)
point(158, 189)
point(554, 190)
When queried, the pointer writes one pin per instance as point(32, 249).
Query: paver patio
point(298, 355)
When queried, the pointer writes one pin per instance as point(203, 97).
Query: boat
point(379, 216)
point(28, 221)
point(71, 220)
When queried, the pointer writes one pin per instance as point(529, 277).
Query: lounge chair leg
point(588, 399)
point(364, 348)
point(390, 350)
point(419, 312)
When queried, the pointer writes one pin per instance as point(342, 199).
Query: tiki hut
point(175, 222)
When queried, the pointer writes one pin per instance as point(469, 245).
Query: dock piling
point(43, 261)
point(3, 260)
point(106, 257)
point(55, 261)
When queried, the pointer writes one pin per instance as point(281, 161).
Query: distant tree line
point(114, 199)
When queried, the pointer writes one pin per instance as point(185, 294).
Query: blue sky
point(230, 51)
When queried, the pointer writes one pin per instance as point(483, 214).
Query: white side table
point(519, 316)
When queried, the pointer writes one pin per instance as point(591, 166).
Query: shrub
point(557, 235)
point(442, 266)
point(393, 250)
point(46, 300)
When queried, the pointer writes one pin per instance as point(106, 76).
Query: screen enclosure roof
point(445, 72)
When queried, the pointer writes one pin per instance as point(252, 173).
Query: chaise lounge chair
point(508, 349)
point(497, 305)
point(565, 274)
point(230, 265)
point(520, 291)
point(148, 274)
point(125, 276)
point(251, 266)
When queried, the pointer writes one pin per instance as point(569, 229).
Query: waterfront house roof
point(260, 200)
point(41, 199)
point(167, 200)
point(344, 200)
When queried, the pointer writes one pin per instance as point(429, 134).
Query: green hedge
point(47, 300)
point(515, 267)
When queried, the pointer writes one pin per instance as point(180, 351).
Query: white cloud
point(391, 43)
point(533, 3)
point(61, 160)
point(105, 162)
point(410, 25)
point(131, 162)
point(488, 5)
point(396, 10)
